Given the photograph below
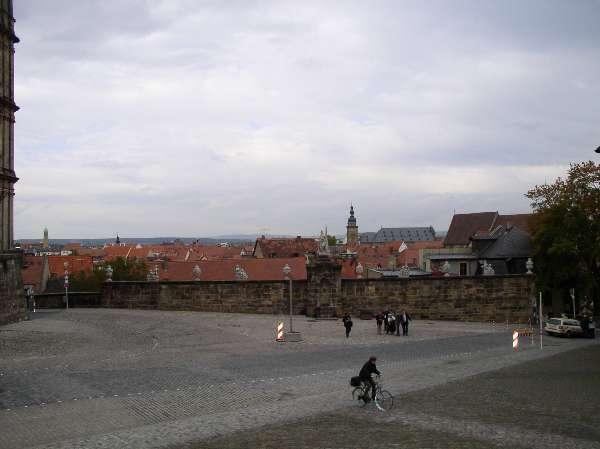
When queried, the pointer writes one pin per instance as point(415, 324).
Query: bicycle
point(384, 400)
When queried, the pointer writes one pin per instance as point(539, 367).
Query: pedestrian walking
point(404, 320)
point(347, 324)
point(398, 324)
point(379, 319)
point(391, 323)
point(386, 324)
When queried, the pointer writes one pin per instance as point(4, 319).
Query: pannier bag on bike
point(355, 381)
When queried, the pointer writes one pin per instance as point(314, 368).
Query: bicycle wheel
point(384, 400)
point(356, 393)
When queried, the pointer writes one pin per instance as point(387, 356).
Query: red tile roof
point(382, 255)
point(463, 226)
point(521, 221)
point(213, 252)
point(76, 264)
point(33, 272)
point(114, 251)
point(285, 247)
point(223, 270)
point(162, 252)
point(410, 256)
point(98, 253)
point(349, 268)
point(176, 253)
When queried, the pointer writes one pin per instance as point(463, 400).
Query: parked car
point(563, 326)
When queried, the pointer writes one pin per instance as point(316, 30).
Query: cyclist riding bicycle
point(365, 374)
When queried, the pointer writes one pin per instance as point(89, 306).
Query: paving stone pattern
point(545, 403)
point(131, 378)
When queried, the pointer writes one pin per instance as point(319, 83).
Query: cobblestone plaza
point(100, 378)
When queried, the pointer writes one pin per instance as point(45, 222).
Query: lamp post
point(66, 265)
point(286, 272)
point(572, 293)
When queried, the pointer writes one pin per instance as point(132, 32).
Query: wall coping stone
point(200, 282)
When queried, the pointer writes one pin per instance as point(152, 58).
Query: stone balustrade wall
point(487, 298)
point(482, 298)
point(219, 296)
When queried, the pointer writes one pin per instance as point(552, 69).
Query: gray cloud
point(200, 118)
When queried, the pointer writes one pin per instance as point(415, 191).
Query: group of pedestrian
point(392, 322)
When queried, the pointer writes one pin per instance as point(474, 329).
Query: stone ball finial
point(405, 272)
point(529, 266)
point(488, 269)
point(446, 268)
point(359, 270)
point(240, 273)
point(196, 272)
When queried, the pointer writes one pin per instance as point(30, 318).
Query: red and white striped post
point(516, 340)
point(279, 332)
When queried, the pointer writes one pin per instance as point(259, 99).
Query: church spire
point(351, 218)
point(352, 229)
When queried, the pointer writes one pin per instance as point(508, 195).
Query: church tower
point(351, 229)
point(45, 242)
point(7, 120)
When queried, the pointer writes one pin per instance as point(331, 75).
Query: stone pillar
point(7, 119)
point(324, 282)
point(12, 296)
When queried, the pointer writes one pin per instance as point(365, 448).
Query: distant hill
point(233, 238)
point(147, 240)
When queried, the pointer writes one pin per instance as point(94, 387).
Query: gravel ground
point(552, 402)
point(341, 431)
point(560, 394)
point(101, 378)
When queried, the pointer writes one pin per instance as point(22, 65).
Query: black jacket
point(368, 369)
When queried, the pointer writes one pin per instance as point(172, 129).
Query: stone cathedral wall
point(12, 297)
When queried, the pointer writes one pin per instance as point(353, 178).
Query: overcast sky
point(199, 118)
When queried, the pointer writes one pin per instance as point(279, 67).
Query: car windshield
point(554, 321)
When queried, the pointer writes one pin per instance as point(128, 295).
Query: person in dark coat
point(347, 324)
point(404, 319)
point(385, 322)
point(379, 319)
point(366, 373)
point(391, 323)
